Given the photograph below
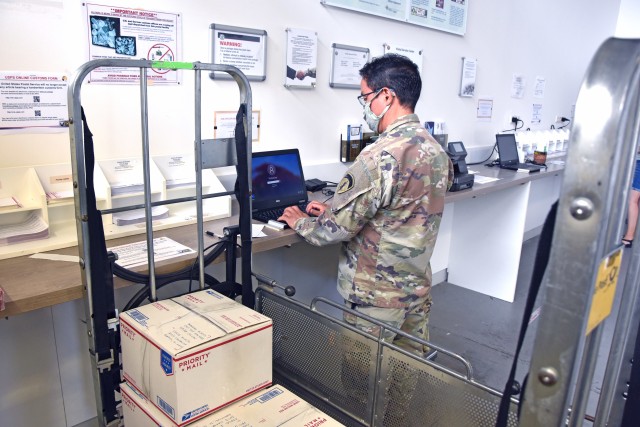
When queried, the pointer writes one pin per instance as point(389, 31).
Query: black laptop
point(277, 183)
point(508, 153)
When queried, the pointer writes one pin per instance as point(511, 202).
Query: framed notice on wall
point(302, 58)
point(468, 77)
point(443, 15)
point(244, 48)
point(225, 124)
point(413, 53)
point(346, 62)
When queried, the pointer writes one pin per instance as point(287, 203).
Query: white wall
point(628, 19)
point(544, 38)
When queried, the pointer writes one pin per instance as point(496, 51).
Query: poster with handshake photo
point(302, 58)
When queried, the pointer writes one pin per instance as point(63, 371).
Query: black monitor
point(507, 148)
point(277, 179)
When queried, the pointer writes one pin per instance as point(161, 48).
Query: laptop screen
point(507, 148)
point(277, 179)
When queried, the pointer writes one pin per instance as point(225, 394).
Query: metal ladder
point(586, 247)
point(100, 309)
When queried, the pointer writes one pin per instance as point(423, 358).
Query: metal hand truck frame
point(97, 277)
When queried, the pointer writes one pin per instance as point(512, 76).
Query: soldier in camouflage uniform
point(387, 211)
point(388, 206)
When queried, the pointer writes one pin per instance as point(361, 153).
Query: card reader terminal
point(462, 179)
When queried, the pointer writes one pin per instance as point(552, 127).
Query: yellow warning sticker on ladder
point(604, 289)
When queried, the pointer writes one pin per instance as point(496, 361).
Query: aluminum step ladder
point(582, 273)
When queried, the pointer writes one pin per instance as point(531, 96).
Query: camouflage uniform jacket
point(387, 210)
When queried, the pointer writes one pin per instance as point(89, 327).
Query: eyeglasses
point(362, 99)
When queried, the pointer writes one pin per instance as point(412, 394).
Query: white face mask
point(371, 118)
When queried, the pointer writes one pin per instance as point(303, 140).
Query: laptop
point(277, 182)
point(508, 154)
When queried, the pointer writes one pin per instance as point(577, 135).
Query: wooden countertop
point(506, 179)
point(33, 283)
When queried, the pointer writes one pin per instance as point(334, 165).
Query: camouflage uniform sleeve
point(360, 193)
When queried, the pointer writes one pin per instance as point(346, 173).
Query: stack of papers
point(9, 203)
point(138, 215)
point(135, 254)
point(32, 228)
point(180, 182)
point(59, 196)
point(126, 189)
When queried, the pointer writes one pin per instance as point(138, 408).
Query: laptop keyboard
point(274, 213)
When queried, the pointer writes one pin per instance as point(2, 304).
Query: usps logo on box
point(166, 362)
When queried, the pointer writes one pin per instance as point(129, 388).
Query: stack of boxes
point(202, 359)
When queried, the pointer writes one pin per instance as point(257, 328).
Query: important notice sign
point(116, 32)
point(33, 100)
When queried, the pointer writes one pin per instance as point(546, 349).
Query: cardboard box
point(194, 354)
point(273, 407)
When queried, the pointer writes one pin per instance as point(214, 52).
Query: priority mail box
point(273, 407)
point(194, 354)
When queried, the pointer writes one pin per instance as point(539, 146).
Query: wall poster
point(33, 101)
point(244, 48)
point(413, 53)
point(302, 58)
point(468, 77)
point(449, 15)
point(122, 33)
point(346, 62)
point(225, 124)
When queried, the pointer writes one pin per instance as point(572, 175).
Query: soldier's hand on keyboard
point(291, 215)
point(315, 208)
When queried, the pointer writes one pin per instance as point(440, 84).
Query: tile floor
point(485, 330)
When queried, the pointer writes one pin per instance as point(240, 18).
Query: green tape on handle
point(172, 65)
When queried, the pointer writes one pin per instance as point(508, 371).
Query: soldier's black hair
point(397, 73)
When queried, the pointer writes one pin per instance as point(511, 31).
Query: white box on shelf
point(194, 354)
point(273, 407)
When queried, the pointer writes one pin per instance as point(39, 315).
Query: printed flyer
point(122, 33)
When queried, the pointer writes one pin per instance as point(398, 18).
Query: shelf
point(29, 185)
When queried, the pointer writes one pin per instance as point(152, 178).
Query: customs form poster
point(444, 15)
point(118, 32)
point(33, 101)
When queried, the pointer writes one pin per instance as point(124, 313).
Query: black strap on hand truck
point(243, 195)
point(542, 259)
point(106, 339)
